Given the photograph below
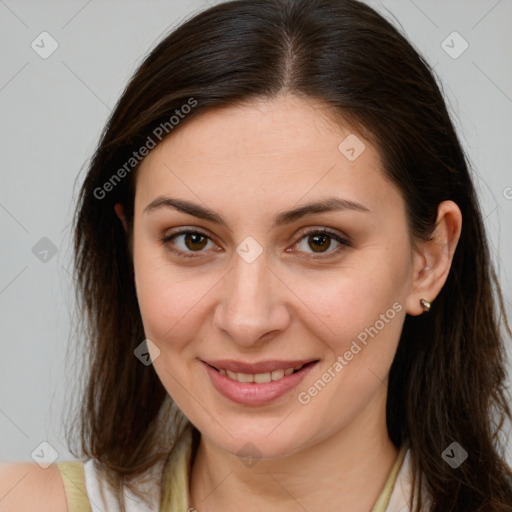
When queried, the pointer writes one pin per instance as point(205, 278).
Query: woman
point(280, 218)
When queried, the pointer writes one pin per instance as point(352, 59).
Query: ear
point(432, 258)
point(118, 208)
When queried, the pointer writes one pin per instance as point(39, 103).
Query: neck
point(345, 471)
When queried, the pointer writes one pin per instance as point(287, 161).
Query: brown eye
point(320, 241)
point(185, 243)
point(195, 241)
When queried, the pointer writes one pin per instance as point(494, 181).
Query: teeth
point(262, 378)
point(277, 374)
point(245, 377)
point(259, 378)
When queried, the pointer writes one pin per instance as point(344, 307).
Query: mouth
point(261, 377)
point(257, 384)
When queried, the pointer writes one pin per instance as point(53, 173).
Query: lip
point(251, 393)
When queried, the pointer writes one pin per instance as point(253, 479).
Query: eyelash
point(190, 254)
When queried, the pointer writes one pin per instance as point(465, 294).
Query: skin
point(249, 163)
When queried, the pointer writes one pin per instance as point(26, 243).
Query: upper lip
point(259, 367)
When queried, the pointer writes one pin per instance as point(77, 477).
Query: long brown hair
point(446, 383)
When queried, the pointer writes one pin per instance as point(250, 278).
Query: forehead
point(264, 152)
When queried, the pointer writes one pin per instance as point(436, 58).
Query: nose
point(252, 307)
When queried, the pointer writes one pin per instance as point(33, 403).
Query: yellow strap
point(383, 500)
point(73, 477)
point(175, 475)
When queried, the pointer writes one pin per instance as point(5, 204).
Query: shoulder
point(26, 487)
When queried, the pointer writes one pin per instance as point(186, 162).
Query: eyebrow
point(328, 204)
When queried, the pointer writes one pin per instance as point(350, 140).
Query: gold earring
point(426, 305)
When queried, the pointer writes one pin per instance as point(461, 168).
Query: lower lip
point(250, 393)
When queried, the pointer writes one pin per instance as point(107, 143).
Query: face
point(235, 284)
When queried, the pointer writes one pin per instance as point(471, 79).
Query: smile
point(259, 378)
point(258, 383)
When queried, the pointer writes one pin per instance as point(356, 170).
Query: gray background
point(52, 113)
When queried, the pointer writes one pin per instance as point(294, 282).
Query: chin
point(265, 440)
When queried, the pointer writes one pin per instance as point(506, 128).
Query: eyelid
point(322, 230)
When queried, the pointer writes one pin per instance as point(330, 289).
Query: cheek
point(165, 295)
point(359, 317)
point(170, 304)
point(353, 298)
